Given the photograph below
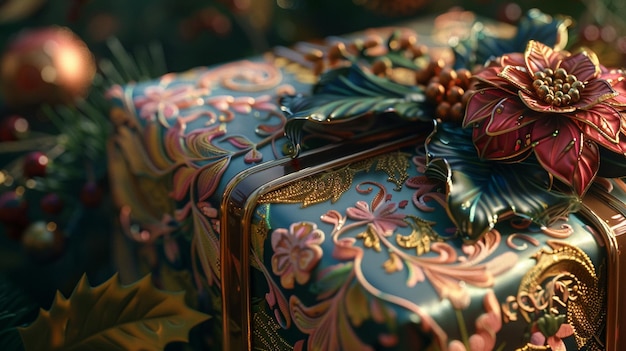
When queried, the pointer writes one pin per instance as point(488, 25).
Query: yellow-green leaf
point(112, 316)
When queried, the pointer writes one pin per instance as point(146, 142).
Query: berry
point(35, 164)
point(435, 92)
point(13, 128)
point(454, 94)
point(447, 76)
point(443, 108)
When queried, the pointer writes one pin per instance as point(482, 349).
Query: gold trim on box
point(237, 211)
point(605, 213)
point(608, 215)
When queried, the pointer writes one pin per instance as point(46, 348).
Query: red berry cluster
point(37, 228)
point(446, 87)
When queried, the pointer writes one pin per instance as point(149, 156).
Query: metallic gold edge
point(286, 179)
point(229, 281)
point(230, 278)
point(601, 216)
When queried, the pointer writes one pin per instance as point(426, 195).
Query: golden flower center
point(557, 87)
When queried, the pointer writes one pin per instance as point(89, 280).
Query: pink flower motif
point(555, 340)
point(167, 101)
point(487, 326)
point(382, 216)
point(296, 252)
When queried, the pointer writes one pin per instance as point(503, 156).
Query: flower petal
point(618, 101)
point(561, 150)
point(539, 56)
point(595, 91)
point(617, 79)
point(490, 77)
point(511, 146)
point(518, 77)
point(592, 134)
point(588, 166)
point(601, 119)
point(584, 65)
point(512, 59)
point(564, 331)
point(481, 104)
point(509, 114)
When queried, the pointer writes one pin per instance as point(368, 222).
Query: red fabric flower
point(559, 105)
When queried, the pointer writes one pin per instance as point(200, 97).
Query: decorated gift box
point(449, 184)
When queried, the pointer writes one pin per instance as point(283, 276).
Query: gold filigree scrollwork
point(563, 282)
point(420, 238)
point(332, 184)
point(395, 165)
point(313, 190)
point(370, 238)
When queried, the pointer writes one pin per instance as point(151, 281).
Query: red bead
point(456, 112)
point(447, 76)
point(442, 110)
point(463, 77)
point(35, 164)
point(454, 94)
point(435, 92)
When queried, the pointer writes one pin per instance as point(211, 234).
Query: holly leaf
point(112, 317)
point(351, 92)
point(482, 193)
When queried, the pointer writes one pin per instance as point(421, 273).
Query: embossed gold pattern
point(310, 191)
point(395, 165)
point(420, 238)
point(531, 347)
point(370, 238)
point(265, 333)
point(563, 281)
point(332, 184)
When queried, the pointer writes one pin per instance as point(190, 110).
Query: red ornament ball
point(35, 164)
point(51, 204)
point(13, 128)
point(48, 65)
point(13, 209)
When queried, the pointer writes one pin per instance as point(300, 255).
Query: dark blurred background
point(69, 187)
point(203, 32)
